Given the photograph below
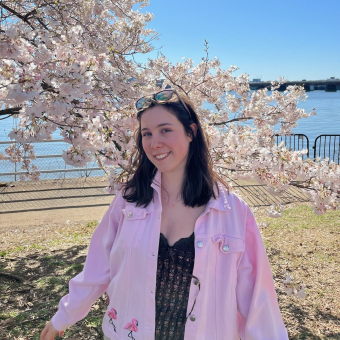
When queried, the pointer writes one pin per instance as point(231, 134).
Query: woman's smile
point(162, 156)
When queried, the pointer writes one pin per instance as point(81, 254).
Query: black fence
point(63, 186)
point(294, 142)
point(325, 146)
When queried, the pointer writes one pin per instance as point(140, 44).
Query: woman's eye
point(146, 134)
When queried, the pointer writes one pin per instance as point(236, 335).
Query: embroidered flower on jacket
point(132, 327)
point(113, 316)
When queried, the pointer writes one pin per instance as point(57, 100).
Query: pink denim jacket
point(236, 298)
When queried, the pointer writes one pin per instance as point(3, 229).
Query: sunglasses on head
point(159, 97)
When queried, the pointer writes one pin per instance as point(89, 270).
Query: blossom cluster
point(292, 288)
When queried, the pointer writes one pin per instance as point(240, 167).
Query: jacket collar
point(220, 203)
point(156, 182)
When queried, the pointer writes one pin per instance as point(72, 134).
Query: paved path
point(52, 217)
point(55, 202)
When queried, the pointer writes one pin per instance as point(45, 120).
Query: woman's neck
point(172, 183)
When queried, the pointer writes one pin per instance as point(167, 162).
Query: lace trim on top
point(174, 268)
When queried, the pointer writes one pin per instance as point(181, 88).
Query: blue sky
point(297, 39)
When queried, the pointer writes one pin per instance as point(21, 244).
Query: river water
point(327, 121)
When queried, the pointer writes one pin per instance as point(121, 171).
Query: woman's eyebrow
point(157, 126)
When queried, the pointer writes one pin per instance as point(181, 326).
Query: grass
point(42, 261)
point(306, 246)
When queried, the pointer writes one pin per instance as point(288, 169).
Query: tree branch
point(48, 87)
point(23, 18)
point(10, 112)
point(26, 17)
point(230, 121)
point(5, 117)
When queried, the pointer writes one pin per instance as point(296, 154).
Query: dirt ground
point(41, 251)
point(52, 217)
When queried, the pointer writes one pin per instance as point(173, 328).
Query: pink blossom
point(66, 88)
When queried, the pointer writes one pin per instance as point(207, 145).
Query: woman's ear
point(194, 128)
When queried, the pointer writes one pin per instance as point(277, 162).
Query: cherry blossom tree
point(72, 66)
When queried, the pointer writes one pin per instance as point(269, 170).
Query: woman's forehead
point(157, 115)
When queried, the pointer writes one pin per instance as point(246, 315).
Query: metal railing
point(62, 185)
point(59, 168)
point(294, 142)
point(327, 146)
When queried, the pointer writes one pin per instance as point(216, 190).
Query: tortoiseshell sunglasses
point(159, 97)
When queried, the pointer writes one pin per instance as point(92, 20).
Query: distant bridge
point(329, 85)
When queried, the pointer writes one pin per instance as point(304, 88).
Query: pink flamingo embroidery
point(132, 326)
point(112, 315)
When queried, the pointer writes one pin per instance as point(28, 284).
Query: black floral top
point(174, 268)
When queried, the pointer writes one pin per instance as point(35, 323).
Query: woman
point(179, 256)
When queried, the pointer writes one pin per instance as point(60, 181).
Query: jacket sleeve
point(259, 316)
point(92, 282)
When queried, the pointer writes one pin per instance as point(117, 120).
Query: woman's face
point(164, 139)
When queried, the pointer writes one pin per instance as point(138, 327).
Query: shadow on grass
point(298, 315)
point(31, 286)
point(306, 333)
point(37, 280)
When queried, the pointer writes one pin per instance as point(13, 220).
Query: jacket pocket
point(131, 213)
point(133, 224)
point(227, 251)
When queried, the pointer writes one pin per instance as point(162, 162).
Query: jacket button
point(129, 214)
point(200, 244)
point(192, 317)
point(225, 248)
point(196, 282)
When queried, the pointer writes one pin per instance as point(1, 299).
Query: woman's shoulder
point(118, 200)
point(230, 198)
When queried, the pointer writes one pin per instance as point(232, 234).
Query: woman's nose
point(156, 142)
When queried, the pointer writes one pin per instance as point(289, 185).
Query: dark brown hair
point(199, 181)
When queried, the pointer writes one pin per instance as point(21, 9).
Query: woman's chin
point(166, 168)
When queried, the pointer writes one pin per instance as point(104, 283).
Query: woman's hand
point(49, 332)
